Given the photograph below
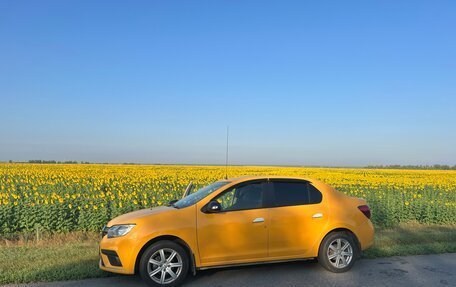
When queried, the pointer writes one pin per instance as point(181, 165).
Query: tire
point(334, 254)
point(160, 266)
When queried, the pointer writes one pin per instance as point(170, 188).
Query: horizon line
point(386, 166)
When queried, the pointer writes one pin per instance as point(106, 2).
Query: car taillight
point(365, 210)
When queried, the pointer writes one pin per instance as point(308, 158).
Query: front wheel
point(164, 263)
point(338, 252)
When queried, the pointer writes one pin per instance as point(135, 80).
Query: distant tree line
point(397, 166)
point(63, 162)
point(53, 161)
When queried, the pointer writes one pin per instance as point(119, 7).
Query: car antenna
point(226, 157)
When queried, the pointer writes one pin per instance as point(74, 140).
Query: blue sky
point(298, 82)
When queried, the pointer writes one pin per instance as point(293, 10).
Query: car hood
point(132, 217)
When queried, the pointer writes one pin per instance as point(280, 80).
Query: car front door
point(238, 233)
point(298, 215)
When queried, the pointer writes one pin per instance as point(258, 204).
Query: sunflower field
point(64, 198)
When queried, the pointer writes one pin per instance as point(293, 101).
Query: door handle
point(258, 220)
point(317, 215)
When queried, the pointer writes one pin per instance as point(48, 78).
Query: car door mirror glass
point(213, 207)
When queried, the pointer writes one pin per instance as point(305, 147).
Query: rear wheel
point(338, 252)
point(164, 263)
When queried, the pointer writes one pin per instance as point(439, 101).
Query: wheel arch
point(172, 238)
point(341, 229)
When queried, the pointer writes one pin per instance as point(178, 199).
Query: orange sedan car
point(235, 222)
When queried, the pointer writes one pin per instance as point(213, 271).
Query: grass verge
point(413, 239)
point(71, 257)
point(70, 261)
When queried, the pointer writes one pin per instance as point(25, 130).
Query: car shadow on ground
point(243, 272)
point(245, 275)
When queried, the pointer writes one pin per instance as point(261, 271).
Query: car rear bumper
point(366, 235)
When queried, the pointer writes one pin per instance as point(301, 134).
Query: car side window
point(288, 193)
point(248, 196)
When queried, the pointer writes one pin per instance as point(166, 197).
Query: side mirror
point(213, 207)
point(172, 202)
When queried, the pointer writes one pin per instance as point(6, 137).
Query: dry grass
point(413, 239)
point(48, 238)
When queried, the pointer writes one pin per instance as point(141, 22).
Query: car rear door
point(298, 215)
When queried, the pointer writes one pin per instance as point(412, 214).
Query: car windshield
point(200, 194)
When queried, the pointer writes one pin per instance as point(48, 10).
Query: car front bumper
point(117, 255)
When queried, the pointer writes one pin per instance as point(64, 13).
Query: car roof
point(258, 177)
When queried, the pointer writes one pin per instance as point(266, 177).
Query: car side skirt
point(255, 263)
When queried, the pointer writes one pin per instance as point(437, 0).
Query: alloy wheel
point(164, 266)
point(340, 253)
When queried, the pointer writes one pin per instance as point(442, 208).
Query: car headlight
point(119, 230)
